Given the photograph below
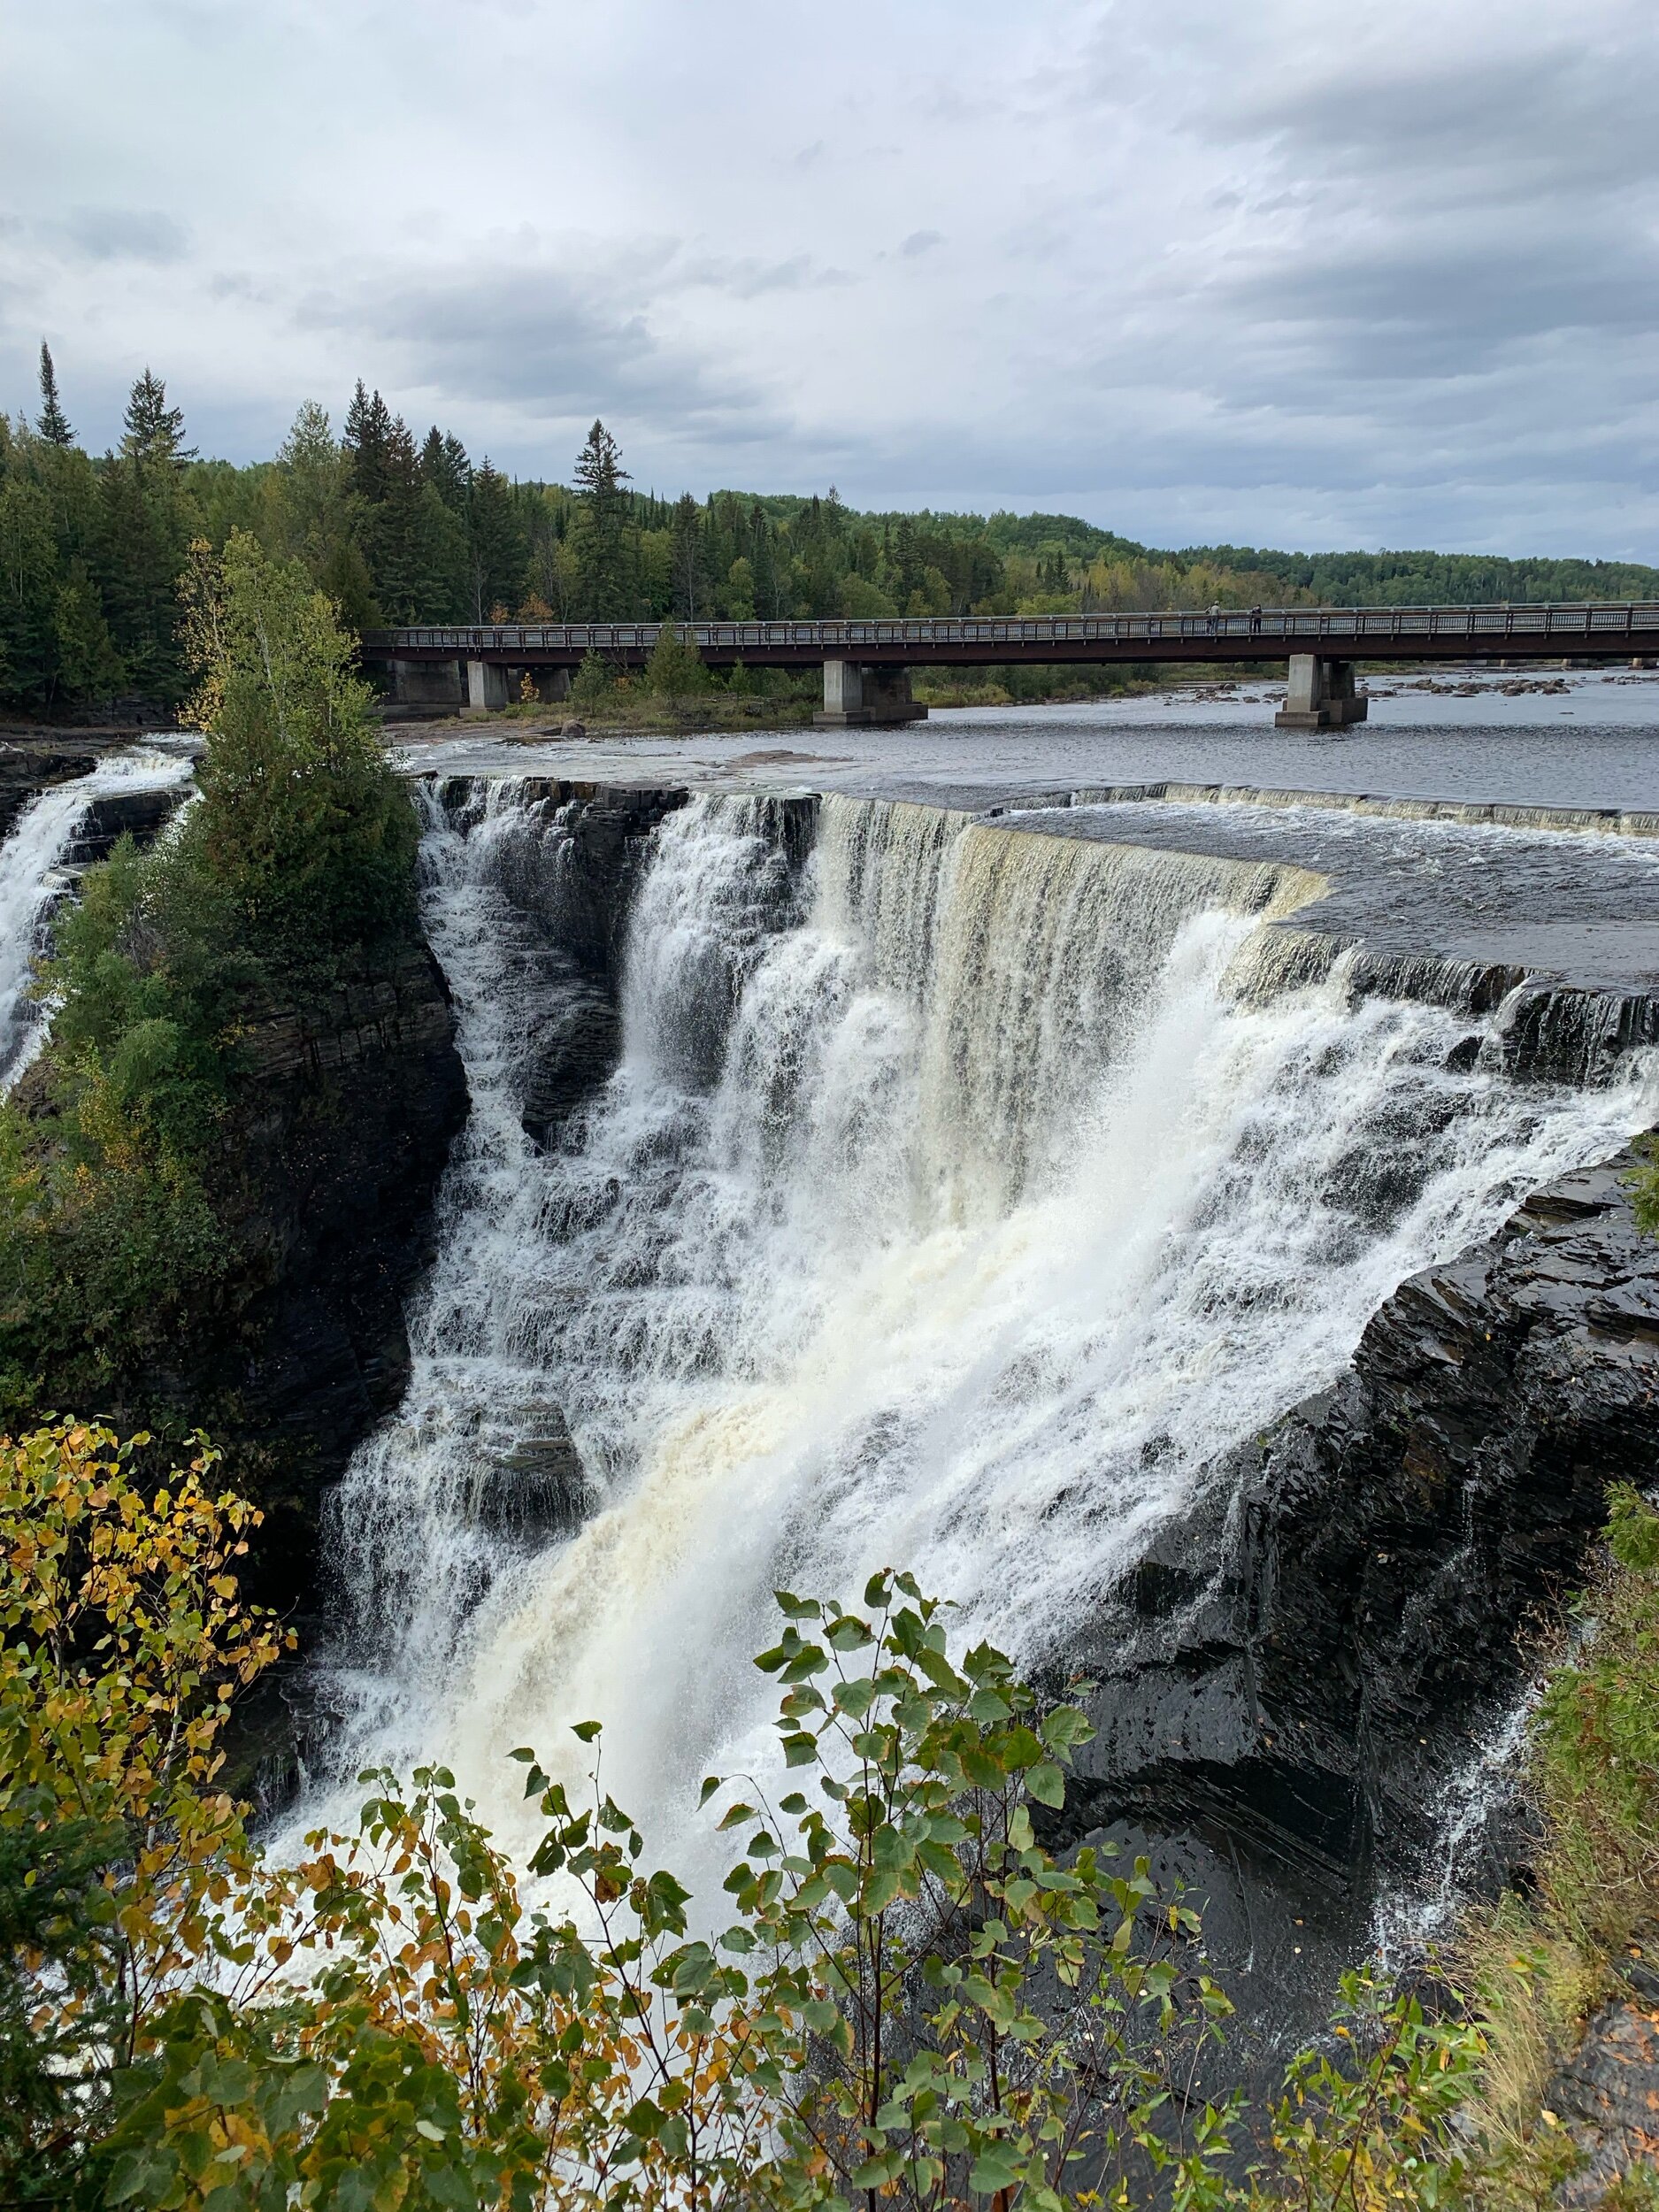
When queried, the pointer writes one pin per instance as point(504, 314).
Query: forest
point(395, 527)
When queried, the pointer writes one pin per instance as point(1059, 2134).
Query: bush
point(915, 2003)
point(675, 668)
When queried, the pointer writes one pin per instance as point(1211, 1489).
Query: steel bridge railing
point(1604, 622)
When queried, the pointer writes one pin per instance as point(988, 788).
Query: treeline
point(398, 528)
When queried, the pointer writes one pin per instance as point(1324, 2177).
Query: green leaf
point(587, 1730)
point(997, 2167)
point(1046, 1784)
point(711, 1782)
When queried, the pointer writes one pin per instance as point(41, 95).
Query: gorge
point(1186, 1225)
point(853, 1181)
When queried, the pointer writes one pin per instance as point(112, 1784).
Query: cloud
point(126, 234)
point(538, 340)
point(1389, 271)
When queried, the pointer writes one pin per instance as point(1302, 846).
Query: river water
point(1595, 744)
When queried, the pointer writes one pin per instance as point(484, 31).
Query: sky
point(1375, 272)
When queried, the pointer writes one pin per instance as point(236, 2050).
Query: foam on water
point(949, 1207)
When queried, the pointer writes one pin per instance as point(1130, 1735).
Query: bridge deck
point(1611, 630)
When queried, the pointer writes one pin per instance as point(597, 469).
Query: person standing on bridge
point(1255, 622)
point(1214, 616)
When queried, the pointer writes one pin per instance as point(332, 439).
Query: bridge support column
point(854, 691)
point(427, 683)
point(486, 686)
point(1320, 695)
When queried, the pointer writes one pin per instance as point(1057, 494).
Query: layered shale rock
point(1296, 1672)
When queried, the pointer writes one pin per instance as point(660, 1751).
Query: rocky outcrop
point(1296, 1671)
point(571, 865)
point(1607, 2095)
point(341, 1123)
point(31, 764)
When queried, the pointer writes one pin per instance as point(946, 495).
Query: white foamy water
point(950, 1208)
point(32, 883)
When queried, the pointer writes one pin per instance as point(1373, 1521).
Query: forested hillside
point(400, 527)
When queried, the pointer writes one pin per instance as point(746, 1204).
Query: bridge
point(867, 664)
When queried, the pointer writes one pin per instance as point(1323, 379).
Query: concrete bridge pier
point(486, 686)
point(427, 683)
point(1320, 695)
point(857, 691)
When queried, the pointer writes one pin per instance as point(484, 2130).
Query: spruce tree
point(602, 546)
point(154, 432)
point(500, 549)
point(52, 423)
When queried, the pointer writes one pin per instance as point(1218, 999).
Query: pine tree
point(154, 431)
point(602, 546)
point(52, 422)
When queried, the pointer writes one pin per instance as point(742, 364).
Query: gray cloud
point(1389, 272)
point(126, 234)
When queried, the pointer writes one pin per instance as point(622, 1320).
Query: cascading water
point(949, 1207)
point(32, 883)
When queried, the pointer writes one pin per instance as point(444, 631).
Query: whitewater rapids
point(953, 1206)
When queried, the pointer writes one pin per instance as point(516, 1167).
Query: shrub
point(916, 2002)
point(675, 668)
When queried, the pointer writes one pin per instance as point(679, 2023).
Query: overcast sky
point(1312, 272)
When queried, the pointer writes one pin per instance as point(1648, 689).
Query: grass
point(1542, 1964)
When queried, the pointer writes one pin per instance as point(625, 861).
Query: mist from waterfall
point(950, 1207)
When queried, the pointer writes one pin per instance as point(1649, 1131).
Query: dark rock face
point(30, 765)
point(342, 1127)
point(571, 869)
point(1300, 1660)
point(1607, 2095)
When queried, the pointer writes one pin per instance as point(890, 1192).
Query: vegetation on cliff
point(120, 1178)
point(393, 528)
point(915, 2003)
point(1584, 1936)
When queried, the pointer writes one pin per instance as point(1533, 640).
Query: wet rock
point(1299, 1663)
point(574, 1052)
point(537, 1487)
point(1607, 2096)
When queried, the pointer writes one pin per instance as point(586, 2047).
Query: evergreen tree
point(687, 565)
point(368, 432)
point(602, 543)
point(144, 530)
point(53, 424)
point(500, 549)
point(28, 591)
point(444, 466)
point(154, 432)
point(675, 670)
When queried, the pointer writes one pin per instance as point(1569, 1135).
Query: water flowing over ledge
point(938, 1194)
point(48, 835)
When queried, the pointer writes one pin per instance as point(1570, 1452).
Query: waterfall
point(32, 882)
point(950, 1205)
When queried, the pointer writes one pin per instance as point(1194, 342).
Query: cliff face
point(1289, 1689)
point(340, 1129)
